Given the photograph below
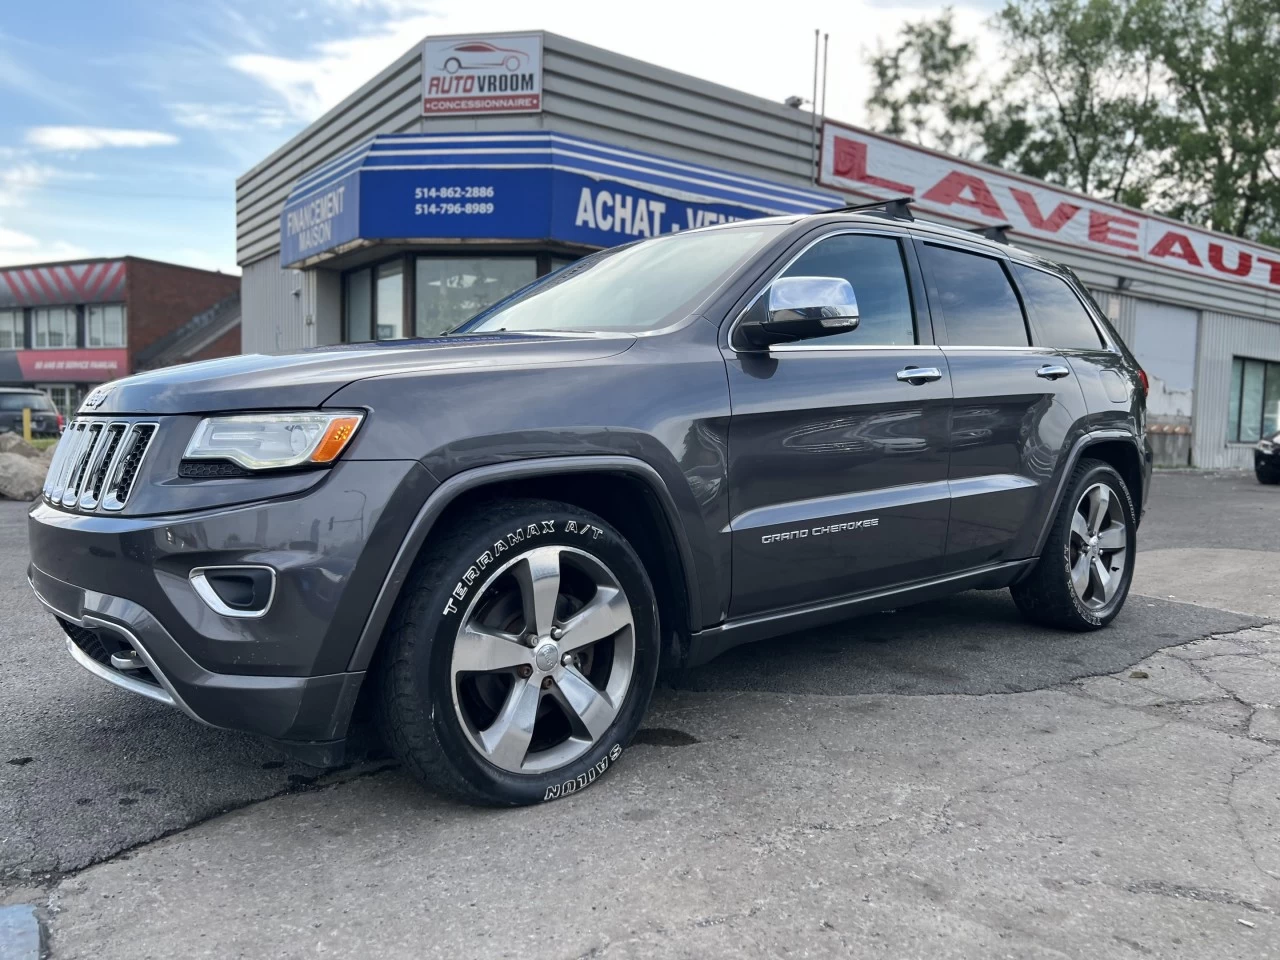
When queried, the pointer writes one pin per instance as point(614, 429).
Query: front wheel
point(1267, 475)
point(1083, 575)
point(522, 656)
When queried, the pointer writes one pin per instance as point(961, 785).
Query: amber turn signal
point(336, 437)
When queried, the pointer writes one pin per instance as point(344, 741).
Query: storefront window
point(449, 290)
point(104, 325)
point(359, 305)
point(65, 396)
point(389, 301)
point(1254, 404)
point(54, 327)
point(11, 334)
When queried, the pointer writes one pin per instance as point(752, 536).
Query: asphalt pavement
point(941, 780)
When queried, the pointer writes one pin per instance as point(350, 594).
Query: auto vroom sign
point(486, 74)
point(856, 161)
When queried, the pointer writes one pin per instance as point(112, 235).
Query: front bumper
point(121, 585)
point(306, 716)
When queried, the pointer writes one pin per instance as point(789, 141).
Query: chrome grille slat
point(60, 454)
point(76, 441)
point(83, 455)
point(97, 463)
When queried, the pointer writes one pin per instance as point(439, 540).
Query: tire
point(452, 65)
point(512, 64)
point(1050, 594)
point(455, 707)
point(1266, 476)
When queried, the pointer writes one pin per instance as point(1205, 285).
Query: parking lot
point(939, 781)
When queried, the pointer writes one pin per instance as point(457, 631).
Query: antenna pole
point(813, 114)
point(826, 37)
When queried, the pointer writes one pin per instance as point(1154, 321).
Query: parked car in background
point(491, 539)
point(46, 421)
point(1266, 459)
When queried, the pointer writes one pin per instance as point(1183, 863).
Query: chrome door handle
point(918, 375)
point(1052, 372)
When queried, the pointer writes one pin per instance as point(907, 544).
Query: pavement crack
point(1238, 818)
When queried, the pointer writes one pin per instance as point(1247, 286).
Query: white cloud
point(95, 138)
point(18, 179)
point(229, 117)
point(17, 247)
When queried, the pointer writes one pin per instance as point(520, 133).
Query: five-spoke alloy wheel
point(522, 655)
point(543, 659)
point(1082, 577)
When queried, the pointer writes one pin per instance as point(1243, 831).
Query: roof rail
point(898, 208)
point(998, 232)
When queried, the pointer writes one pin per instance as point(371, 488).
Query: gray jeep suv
point(491, 540)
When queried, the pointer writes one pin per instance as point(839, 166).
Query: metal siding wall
point(273, 318)
point(1222, 337)
point(389, 103)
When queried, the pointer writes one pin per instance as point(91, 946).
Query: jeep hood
point(305, 380)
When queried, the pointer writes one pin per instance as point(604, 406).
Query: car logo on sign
point(95, 399)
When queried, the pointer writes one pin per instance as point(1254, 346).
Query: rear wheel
point(522, 656)
point(1083, 575)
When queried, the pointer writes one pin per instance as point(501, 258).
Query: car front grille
point(97, 462)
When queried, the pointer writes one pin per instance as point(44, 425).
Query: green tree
point(928, 89)
point(1220, 142)
point(1168, 104)
point(1073, 105)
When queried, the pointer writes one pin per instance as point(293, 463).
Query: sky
point(125, 123)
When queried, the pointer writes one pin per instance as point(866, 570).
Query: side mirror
point(799, 308)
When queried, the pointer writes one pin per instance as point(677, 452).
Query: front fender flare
point(452, 488)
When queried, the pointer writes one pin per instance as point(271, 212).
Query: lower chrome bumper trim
point(165, 693)
point(132, 684)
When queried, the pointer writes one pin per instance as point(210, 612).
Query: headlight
point(273, 441)
point(1266, 446)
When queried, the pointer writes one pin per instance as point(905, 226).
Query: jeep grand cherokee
point(492, 538)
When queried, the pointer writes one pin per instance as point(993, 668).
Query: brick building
point(65, 327)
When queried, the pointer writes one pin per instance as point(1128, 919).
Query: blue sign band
point(536, 186)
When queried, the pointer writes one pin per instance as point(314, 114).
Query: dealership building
point(65, 327)
point(472, 165)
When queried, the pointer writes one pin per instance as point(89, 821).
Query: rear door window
point(1059, 318)
point(974, 296)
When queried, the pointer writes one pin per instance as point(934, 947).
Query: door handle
point(918, 375)
point(1052, 372)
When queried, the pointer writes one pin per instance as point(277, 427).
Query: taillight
point(1146, 384)
point(62, 422)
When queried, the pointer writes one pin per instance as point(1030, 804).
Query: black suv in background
point(1266, 459)
point(45, 419)
point(492, 538)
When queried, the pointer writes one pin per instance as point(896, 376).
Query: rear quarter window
point(1058, 316)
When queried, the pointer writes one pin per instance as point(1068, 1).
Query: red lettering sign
point(1274, 278)
point(1113, 230)
point(1031, 210)
point(1174, 244)
point(1244, 261)
point(851, 161)
point(951, 190)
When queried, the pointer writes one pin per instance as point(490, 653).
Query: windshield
point(638, 287)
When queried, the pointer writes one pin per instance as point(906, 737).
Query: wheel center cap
point(546, 656)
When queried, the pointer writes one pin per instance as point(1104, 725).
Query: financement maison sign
point(856, 161)
point(489, 74)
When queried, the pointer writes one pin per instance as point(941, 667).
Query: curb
point(19, 933)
